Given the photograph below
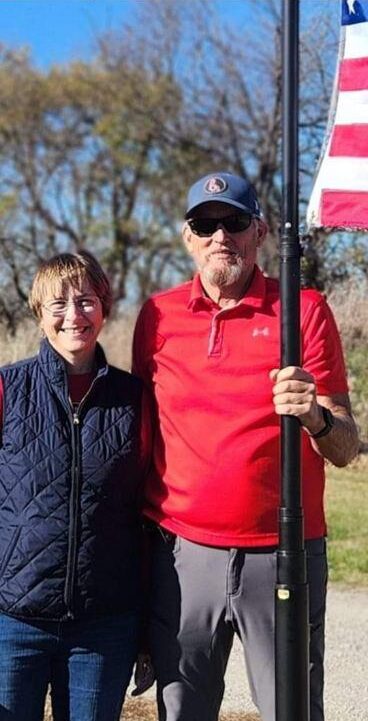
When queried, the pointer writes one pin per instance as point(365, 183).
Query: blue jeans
point(87, 663)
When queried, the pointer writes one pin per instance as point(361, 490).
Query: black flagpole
point(291, 598)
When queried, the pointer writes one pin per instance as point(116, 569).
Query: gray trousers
point(201, 596)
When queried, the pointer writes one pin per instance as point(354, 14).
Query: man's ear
point(187, 237)
point(262, 230)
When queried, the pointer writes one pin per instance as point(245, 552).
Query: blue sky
point(58, 31)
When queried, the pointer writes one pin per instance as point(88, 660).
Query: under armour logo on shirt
point(260, 331)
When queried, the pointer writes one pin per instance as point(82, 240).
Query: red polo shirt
point(215, 478)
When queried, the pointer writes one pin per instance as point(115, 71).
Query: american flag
point(340, 193)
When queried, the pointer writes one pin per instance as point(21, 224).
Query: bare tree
point(101, 153)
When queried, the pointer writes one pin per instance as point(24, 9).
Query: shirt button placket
point(215, 337)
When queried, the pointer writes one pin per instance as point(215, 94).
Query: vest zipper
point(73, 518)
point(74, 506)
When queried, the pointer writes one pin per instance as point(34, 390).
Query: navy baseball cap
point(223, 188)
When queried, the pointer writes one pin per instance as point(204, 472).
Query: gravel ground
point(346, 668)
point(346, 680)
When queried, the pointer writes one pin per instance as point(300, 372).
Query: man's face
point(224, 258)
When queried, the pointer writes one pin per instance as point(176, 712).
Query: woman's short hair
point(59, 272)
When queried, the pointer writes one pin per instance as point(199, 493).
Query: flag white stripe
point(337, 174)
point(356, 41)
point(340, 189)
point(352, 107)
point(343, 173)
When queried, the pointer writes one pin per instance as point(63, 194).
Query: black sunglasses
point(205, 227)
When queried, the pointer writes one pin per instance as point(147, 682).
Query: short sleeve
point(146, 341)
point(322, 353)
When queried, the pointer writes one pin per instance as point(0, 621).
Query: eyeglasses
point(204, 227)
point(59, 307)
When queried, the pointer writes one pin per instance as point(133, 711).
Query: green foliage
point(80, 150)
point(347, 516)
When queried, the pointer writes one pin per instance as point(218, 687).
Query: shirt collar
point(254, 296)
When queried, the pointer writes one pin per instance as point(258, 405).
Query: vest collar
point(54, 365)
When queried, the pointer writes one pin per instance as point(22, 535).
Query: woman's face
point(71, 321)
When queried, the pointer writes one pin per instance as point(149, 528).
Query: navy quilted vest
point(69, 492)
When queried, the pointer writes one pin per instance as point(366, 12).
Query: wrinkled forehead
point(214, 209)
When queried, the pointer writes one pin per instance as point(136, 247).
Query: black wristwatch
point(329, 423)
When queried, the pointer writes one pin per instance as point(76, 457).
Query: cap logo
point(215, 185)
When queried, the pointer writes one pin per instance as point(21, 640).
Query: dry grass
point(349, 305)
point(23, 344)
point(144, 710)
point(116, 338)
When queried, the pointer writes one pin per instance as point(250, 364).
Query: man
point(209, 350)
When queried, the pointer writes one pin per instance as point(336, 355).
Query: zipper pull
point(75, 419)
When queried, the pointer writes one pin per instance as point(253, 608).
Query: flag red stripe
point(354, 74)
point(344, 209)
point(350, 140)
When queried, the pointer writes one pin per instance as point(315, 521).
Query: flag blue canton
point(354, 11)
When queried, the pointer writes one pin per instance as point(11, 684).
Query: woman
point(71, 466)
